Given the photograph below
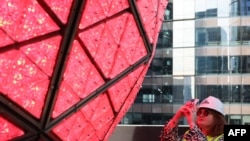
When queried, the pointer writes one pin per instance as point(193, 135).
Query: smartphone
point(195, 101)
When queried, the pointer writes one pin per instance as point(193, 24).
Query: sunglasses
point(203, 112)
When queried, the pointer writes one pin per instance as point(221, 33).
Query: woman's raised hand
point(189, 111)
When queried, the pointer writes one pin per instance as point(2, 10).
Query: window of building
point(245, 64)
point(240, 35)
point(221, 64)
point(148, 98)
point(246, 120)
point(137, 118)
point(220, 91)
point(211, 65)
point(167, 67)
point(207, 36)
point(167, 94)
point(211, 12)
point(200, 37)
point(200, 15)
point(206, 9)
point(246, 93)
point(158, 94)
point(147, 118)
point(161, 66)
point(245, 34)
point(213, 36)
point(227, 93)
point(144, 96)
point(235, 36)
point(200, 66)
point(165, 39)
point(168, 15)
point(240, 7)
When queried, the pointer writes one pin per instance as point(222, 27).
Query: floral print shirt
point(194, 134)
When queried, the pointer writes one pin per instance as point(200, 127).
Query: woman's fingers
point(189, 103)
point(186, 110)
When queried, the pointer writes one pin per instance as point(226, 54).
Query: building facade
point(203, 49)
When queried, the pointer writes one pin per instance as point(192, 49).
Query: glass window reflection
point(218, 8)
point(227, 93)
point(240, 7)
point(221, 64)
point(208, 36)
point(165, 39)
point(240, 35)
point(157, 94)
point(168, 15)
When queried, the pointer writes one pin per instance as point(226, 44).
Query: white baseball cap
point(212, 103)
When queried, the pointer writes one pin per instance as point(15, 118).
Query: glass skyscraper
point(203, 49)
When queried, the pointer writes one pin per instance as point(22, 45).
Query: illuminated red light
point(70, 70)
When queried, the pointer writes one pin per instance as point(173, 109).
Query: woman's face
point(205, 118)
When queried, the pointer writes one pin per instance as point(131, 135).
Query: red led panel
point(22, 20)
point(71, 69)
point(9, 131)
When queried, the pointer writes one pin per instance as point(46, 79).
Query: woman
point(205, 123)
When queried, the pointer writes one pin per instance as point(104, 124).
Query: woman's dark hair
point(219, 122)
